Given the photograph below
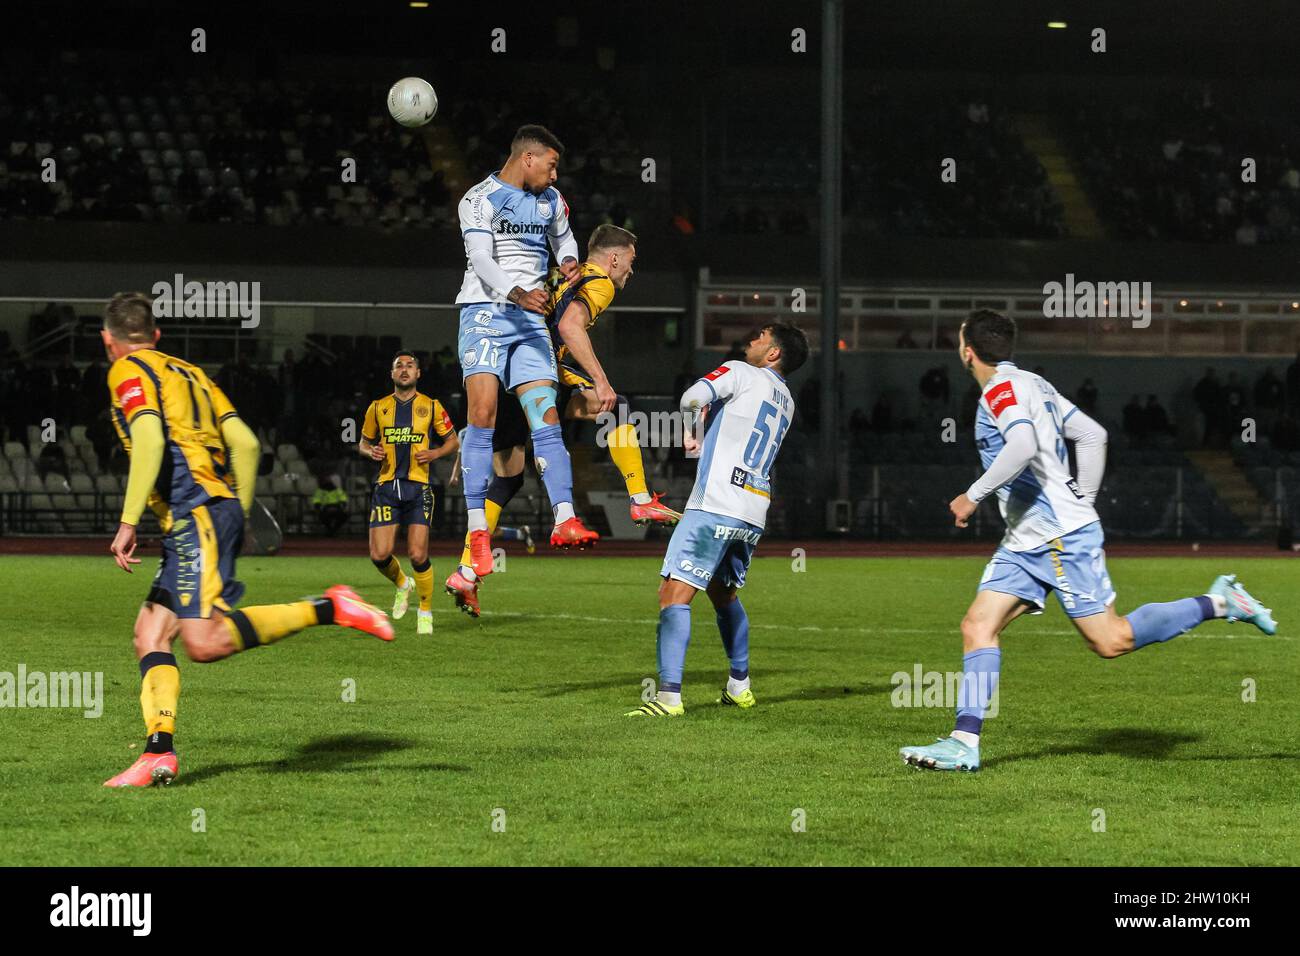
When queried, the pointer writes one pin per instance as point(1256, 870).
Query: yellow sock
point(424, 585)
point(160, 689)
point(493, 512)
point(625, 451)
point(393, 571)
point(254, 626)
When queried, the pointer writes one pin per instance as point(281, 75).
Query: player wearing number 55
point(749, 410)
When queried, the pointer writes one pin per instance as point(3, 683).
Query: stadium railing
point(876, 318)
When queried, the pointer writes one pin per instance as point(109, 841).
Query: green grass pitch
point(516, 719)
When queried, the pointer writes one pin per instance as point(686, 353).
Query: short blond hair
point(128, 317)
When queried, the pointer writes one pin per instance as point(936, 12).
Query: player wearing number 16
point(749, 410)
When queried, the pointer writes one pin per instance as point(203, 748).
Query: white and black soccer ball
point(412, 101)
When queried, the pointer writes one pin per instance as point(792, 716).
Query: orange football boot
point(480, 552)
point(146, 771)
point(351, 611)
point(465, 592)
point(653, 512)
point(573, 532)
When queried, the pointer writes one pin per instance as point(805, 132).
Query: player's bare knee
point(978, 631)
point(1111, 646)
point(379, 555)
point(202, 649)
point(150, 642)
point(418, 555)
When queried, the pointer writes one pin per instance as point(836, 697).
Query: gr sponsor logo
point(704, 574)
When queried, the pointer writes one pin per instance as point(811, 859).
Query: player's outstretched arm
point(573, 331)
point(245, 451)
point(1089, 439)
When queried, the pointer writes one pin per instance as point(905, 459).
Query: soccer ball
point(412, 101)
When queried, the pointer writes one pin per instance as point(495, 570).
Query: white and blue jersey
point(1054, 541)
point(749, 412)
point(750, 409)
point(1043, 502)
point(509, 234)
point(523, 228)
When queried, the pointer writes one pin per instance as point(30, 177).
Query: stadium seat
point(8, 485)
point(15, 451)
point(263, 486)
point(55, 484)
point(107, 484)
point(283, 485)
point(287, 452)
point(78, 433)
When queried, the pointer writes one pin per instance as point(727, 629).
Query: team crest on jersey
point(421, 411)
point(999, 397)
point(543, 209)
point(470, 358)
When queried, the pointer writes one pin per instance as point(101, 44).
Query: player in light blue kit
point(511, 223)
point(1053, 541)
point(749, 411)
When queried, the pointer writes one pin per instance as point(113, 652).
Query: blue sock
point(476, 465)
point(980, 670)
point(553, 462)
point(1161, 622)
point(733, 625)
point(674, 636)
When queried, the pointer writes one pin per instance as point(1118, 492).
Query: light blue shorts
point(705, 545)
point(1073, 566)
point(511, 343)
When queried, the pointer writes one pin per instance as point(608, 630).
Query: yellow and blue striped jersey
point(592, 287)
point(196, 462)
point(405, 428)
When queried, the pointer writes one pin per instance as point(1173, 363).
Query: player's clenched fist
point(533, 300)
point(962, 508)
point(377, 452)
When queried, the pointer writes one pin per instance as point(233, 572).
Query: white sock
point(468, 574)
point(737, 687)
point(669, 699)
point(966, 737)
point(477, 519)
point(641, 498)
point(1220, 604)
point(563, 512)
